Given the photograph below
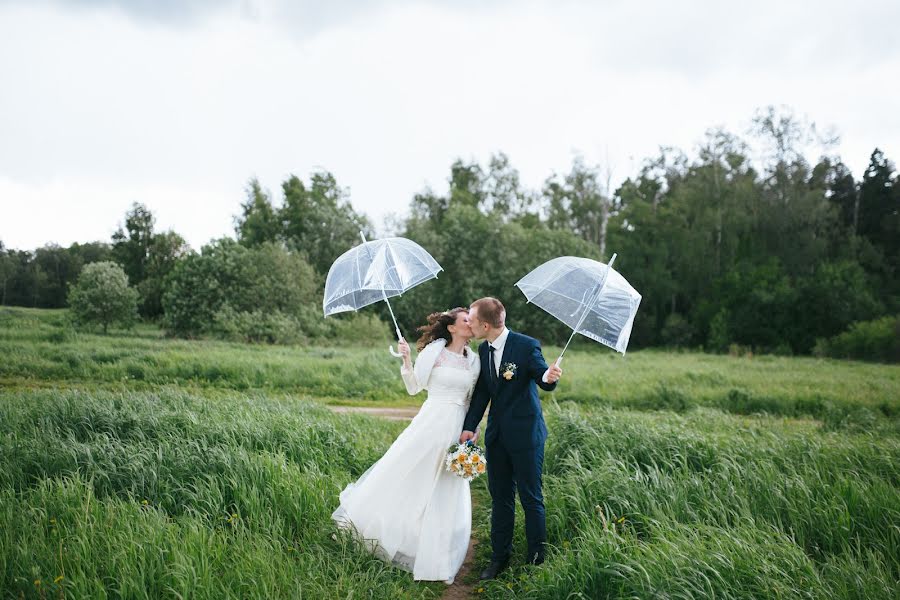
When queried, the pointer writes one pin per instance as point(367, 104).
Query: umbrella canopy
point(590, 297)
point(375, 271)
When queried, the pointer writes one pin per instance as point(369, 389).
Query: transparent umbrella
point(590, 297)
point(375, 271)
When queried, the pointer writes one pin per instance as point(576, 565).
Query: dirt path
point(460, 588)
point(394, 414)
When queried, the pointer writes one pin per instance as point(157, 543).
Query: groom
point(512, 367)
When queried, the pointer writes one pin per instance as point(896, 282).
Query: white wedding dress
point(407, 507)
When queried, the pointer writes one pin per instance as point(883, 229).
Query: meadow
point(136, 466)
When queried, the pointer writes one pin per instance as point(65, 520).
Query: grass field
point(133, 466)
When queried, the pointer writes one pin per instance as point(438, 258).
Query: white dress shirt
point(498, 345)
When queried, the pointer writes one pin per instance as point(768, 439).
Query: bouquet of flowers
point(466, 460)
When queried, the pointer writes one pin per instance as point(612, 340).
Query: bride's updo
point(436, 328)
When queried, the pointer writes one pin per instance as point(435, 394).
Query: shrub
point(877, 340)
point(211, 292)
point(102, 296)
point(273, 327)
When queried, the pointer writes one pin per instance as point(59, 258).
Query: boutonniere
point(508, 370)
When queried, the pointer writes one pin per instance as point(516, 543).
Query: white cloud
point(107, 105)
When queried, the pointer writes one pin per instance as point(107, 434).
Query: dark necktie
point(494, 378)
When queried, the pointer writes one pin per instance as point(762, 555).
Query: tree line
point(776, 253)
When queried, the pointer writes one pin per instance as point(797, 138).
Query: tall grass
point(168, 494)
point(136, 466)
point(709, 505)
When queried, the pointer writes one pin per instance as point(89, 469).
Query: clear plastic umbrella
point(588, 296)
point(375, 271)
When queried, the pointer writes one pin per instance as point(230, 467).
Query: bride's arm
point(413, 386)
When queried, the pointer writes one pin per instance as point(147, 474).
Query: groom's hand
point(553, 374)
point(466, 436)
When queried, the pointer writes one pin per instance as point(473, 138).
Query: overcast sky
point(176, 104)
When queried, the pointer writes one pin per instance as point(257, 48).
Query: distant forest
point(778, 254)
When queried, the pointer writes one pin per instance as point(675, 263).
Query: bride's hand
point(404, 351)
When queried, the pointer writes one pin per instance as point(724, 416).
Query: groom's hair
point(491, 311)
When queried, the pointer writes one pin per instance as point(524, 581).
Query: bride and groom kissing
point(407, 508)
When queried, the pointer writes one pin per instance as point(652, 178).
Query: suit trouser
point(507, 471)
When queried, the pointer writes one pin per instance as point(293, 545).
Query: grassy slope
point(39, 349)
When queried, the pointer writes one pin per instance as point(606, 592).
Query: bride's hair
point(437, 327)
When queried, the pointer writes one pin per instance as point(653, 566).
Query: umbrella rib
point(359, 280)
point(394, 262)
point(557, 274)
point(560, 294)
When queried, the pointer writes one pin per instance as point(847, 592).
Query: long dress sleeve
point(413, 386)
point(416, 378)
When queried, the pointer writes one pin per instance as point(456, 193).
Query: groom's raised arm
point(480, 399)
point(538, 366)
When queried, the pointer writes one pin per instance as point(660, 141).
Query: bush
point(231, 290)
point(273, 327)
point(877, 340)
point(103, 297)
point(262, 294)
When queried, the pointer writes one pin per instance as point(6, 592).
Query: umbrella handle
point(391, 347)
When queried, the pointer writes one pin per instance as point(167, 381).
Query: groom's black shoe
point(495, 568)
point(535, 558)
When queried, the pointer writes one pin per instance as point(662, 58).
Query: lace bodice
point(451, 359)
point(451, 379)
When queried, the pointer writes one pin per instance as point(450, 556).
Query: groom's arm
point(537, 368)
point(480, 399)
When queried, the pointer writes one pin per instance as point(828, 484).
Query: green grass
point(711, 505)
point(40, 350)
point(170, 494)
point(137, 466)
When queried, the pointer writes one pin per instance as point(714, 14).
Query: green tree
point(102, 296)
point(227, 277)
point(504, 196)
point(484, 256)
point(146, 256)
point(60, 266)
point(879, 223)
point(318, 219)
point(878, 204)
point(844, 195)
point(131, 244)
point(797, 220)
point(835, 296)
point(259, 221)
point(644, 231)
point(7, 271)
point(580, 202)
point(166, 249)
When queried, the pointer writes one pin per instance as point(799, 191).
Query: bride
point(407, 507)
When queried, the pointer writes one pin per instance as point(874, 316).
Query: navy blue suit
point(514, 440)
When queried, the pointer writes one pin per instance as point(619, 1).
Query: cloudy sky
point(176, 104)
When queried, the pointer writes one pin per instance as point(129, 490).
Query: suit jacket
point(516, 417)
